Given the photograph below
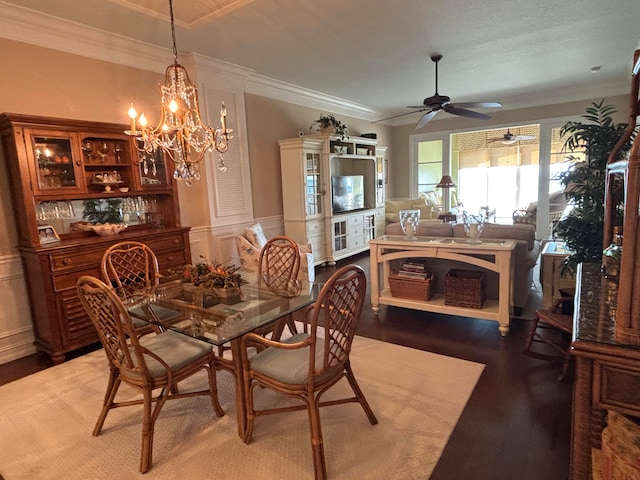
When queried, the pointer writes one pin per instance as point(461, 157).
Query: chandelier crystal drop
point(180, 132)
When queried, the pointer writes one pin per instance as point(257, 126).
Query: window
point(429, 165)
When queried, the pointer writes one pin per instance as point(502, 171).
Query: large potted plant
point(584, 182)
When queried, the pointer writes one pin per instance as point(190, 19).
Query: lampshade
point(446, 182)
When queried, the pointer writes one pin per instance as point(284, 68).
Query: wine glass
point(117, 149)
point(87, 148)
point(103, 150)
point(409, 220)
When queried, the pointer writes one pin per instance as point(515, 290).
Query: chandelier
point(180, 133)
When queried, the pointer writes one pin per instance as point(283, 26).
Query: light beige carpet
point(46, 421)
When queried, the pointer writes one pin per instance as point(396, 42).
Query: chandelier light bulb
point(132, 112)
point(142, 120)
point(173, 105)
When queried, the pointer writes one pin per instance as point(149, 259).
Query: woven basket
point(464, 288)
point(411, 288)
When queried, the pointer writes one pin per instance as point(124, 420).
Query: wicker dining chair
point(553, 328)
point(279, 262)
point(306, 365)
point(160, 363)
point(131, 267)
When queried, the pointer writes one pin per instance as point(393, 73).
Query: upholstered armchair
point(251, 243)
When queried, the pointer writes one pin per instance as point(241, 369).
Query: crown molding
point(28, 26)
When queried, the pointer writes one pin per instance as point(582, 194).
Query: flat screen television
point(347, 193)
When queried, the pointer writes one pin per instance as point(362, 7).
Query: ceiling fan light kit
point(432, 105)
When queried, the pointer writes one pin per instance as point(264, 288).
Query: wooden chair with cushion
point(306, 365)
point(160, 362)
point(553, 328)
point(131, 268)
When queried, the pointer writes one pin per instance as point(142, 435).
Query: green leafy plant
point(584, 182)
point(326, 121)
point(97, 212)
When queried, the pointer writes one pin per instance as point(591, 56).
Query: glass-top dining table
point(219, 317)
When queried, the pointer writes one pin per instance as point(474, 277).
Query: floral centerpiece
point(212, 275)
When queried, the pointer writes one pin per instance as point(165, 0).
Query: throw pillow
point(256, 235)
point(425, 210)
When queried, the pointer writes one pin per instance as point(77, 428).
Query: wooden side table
point(448, 217)
point(552, 257)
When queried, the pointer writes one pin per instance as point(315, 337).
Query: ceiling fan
point(509, 138)
point(433, 104)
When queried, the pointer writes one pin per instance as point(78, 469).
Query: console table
point(489, 254)
point(607, 372)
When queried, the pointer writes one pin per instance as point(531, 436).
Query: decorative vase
point(473, 225)
point(409, 220)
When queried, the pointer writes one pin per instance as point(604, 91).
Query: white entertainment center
point(308, 165)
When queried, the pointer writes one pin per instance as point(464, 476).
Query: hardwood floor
point(517, 422)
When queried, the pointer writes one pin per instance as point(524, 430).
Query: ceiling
point(376, 53)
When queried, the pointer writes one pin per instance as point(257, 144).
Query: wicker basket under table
point(464, 288)
point(411, 288)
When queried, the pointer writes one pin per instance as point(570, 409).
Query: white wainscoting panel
point(16, 327)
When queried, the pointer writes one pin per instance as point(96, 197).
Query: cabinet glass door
point(313, 186)
point(56, 168)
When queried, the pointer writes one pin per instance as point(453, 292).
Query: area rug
point(46, 421)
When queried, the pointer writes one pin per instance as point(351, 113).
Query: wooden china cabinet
point(62, 171)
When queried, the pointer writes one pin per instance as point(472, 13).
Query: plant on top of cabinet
point(330, 124)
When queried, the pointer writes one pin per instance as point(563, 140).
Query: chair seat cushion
point(174, 348)
point(288, 366)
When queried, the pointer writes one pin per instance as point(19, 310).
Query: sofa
point(428, 212)
point(526, 255)
point(250, 244)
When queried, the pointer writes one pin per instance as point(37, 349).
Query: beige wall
point(271, 120)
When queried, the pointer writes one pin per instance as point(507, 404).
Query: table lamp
point(446, 182)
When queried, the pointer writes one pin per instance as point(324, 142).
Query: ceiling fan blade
point(477, 105)
point(426, 118)
point(465, 113)
point(521, 138)
point(399, 115)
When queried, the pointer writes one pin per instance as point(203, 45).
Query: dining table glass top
point(219, 316)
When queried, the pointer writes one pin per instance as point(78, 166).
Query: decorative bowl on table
point(102, 229)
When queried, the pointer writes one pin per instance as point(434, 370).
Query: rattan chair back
point(130, 267)
point(337, 311)
point(280, 257)
point(114, 326)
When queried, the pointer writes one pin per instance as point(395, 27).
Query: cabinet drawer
point(357, 220)
point(617, 387)
point(68, 280)
point(68, 260)
point(168, 243)
point(314, 228)
point(355, 242)
point(171, 259)
point(356, 231)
